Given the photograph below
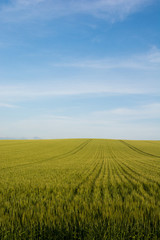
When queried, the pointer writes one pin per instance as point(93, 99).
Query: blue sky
point(78, 69)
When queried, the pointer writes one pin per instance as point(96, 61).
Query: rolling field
point(79, 189)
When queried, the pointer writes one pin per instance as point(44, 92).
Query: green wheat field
point(79, 189)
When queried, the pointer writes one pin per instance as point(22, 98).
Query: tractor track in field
point(109, 185)
point(143, 184)
point(101, 187)
point(141, 163)
point(95, 179)
point(119, 175)
point(136, 172)
point(116, 186)
point(57, 157)
point(119, 172)
point(133, 180)
point(139, 150)
point(140, 175)
point(76, 189)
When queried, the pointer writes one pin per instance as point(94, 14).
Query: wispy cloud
point(154, 56)
point(111, 10)
point(149, 111)
point(17, 93)
point(6, 105)
point(115, 84)
point(149, 61)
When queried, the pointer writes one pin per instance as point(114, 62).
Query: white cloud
point(18, 93)
point(147, 61)
point(111, 10)
point(6, 105)
point(154, 56)
point(149, 111)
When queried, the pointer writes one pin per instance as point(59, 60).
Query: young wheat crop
point(79, 189)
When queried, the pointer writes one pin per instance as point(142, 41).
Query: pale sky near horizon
point(80, 69)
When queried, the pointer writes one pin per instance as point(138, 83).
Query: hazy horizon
point(37, 138)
